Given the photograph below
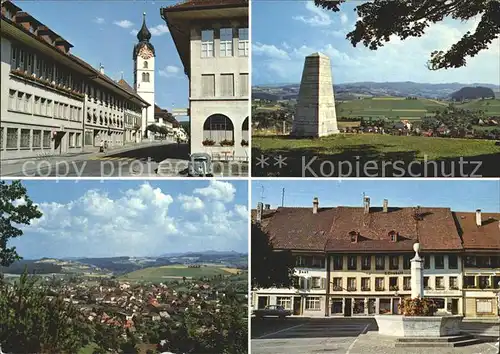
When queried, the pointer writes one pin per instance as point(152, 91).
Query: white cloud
point(218, 190)
point(99, 20)
point(159, 30)
point(124, 23)
point(241, 210)
point(169, 71)
point(397, 60)
point(190, 203)
point(138, 221)
point(134, 31)
point(269, 50)
point(344, 18)
point(317, 18)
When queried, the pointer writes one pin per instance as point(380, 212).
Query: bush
point(417, 307)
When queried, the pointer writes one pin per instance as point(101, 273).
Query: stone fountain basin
point(418, 326)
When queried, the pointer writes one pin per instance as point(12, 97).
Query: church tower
point(144, 73)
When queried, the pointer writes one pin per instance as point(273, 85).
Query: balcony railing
point(406, 287)
point(379, 288)
point(337, 288)
point(351, 288)
point(453, 287)
point(365, 288)
point(394, 288)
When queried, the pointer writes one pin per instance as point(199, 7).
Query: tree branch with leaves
point(16, 209)
point(381, 19)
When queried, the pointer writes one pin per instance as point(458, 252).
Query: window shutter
point(323, 283)
point(302, 283)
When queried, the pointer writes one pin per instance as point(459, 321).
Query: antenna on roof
point(122, 75)
point(262, 193)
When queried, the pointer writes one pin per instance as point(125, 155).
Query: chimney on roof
point(315, 205)
point(366, 204)
point(267, 207)
point(386, 205)
point(101, 69)
point(479, 221)
point(259, 212)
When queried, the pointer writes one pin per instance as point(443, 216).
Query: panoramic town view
point(416, 94)
point(123, 267)
point(380, 266)
point(120, 90)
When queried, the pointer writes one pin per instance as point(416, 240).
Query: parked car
point(272, 311)
point(200, 165)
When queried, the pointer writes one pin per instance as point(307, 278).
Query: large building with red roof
point(211, 37)
point(355, 261)
point(53, 102)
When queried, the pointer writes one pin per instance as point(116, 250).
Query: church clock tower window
point(145, 65)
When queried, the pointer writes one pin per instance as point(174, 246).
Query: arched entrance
point(218, 127)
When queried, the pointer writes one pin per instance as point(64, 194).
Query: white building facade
point(215, 56)
point(307, 295)
point(52, 102)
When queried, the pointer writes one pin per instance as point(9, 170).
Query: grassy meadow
point(175, 272)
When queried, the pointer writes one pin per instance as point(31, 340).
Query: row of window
point(131, 119)
point(366, 262)
point(482, 281)
point(226, 86)
point(380, 284)
point(225, 42)
point(32, 104)
point(44, 68)
point(19, 138)
point(104, 119)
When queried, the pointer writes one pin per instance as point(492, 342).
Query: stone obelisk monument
point(417, 277)
point(315, 112)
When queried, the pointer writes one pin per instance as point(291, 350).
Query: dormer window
point(32, 29)
point(353, 236)
point(8, 14)
point(393, 235)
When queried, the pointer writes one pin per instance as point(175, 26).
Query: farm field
point(164, 273)
point(366, 148)
point(400, 108)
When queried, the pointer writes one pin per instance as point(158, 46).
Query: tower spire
point(144, 35)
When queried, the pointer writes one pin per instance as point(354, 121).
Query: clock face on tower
point(145, 53)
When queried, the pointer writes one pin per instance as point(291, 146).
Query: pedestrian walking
point(101, 146)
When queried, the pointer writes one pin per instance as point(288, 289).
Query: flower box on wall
point(227, 143)
point(208, 142)
point(244, 142)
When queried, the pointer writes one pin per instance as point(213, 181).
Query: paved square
point(346, 336)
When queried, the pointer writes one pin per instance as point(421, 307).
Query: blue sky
point(463, 195)
point(135, 218)
point(105, 32)
point(284, 32)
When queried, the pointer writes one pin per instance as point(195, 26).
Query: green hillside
point(173, 272)
point(389, 107)
point(491, 107)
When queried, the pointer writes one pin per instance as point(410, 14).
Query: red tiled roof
point(328, 230)
point(299, 228)
point(484, 237)
point(435, 230)
point(125, 85)
point(196, 4)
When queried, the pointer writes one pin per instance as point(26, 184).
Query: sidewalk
point(15, 167)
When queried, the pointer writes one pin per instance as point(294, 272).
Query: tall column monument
point(417, 277)
point(315, 112)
